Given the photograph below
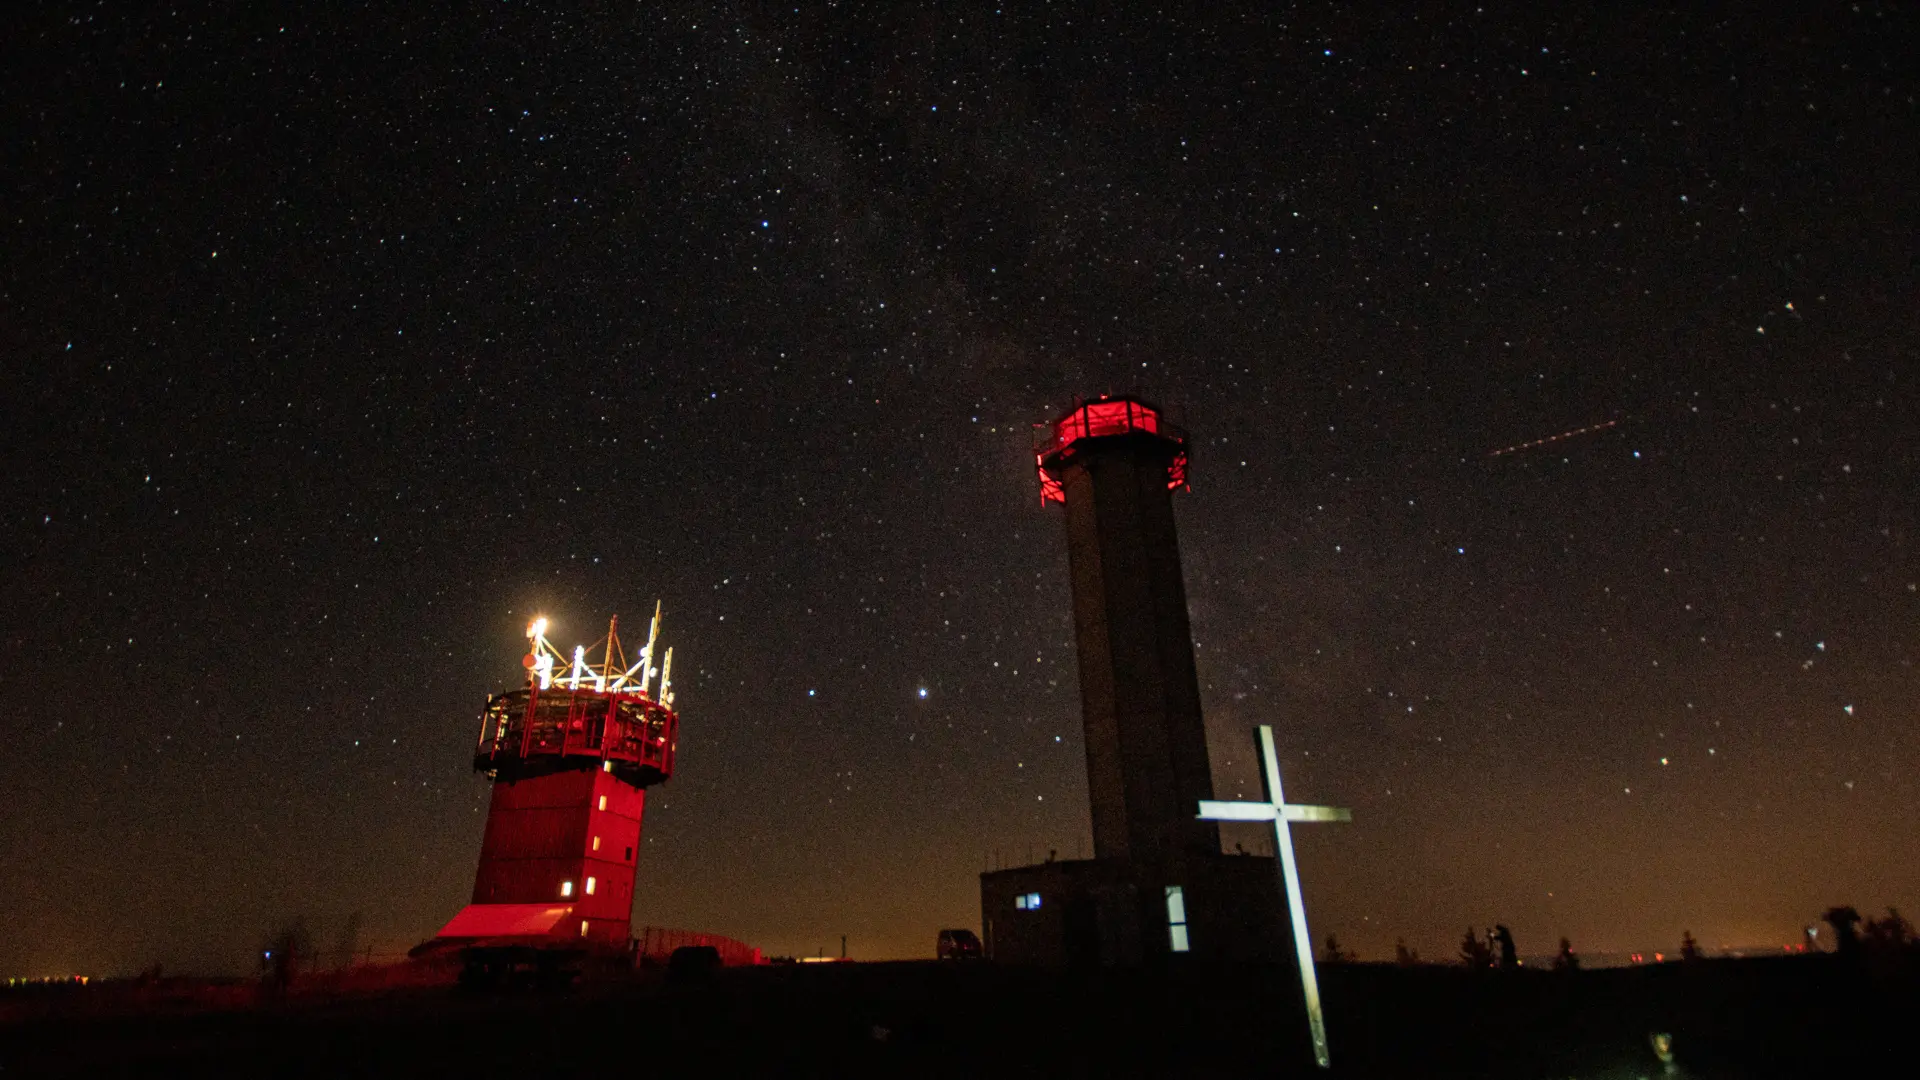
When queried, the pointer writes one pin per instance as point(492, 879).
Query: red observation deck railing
point(1104, 418)
point(530, 732)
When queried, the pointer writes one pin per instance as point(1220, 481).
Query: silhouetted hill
point(1796, 1017)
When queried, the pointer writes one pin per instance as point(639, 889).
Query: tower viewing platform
point(603, 715)
point(1117, 418)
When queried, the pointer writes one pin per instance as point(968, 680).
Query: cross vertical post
point(1296, 905)
point(1277, 810)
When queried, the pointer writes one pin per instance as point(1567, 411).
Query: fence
point(655, 944)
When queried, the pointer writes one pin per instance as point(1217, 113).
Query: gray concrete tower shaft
point(1114, 463)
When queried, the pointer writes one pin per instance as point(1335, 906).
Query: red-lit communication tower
point(571, 755)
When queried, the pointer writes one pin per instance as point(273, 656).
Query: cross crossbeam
point(1277, 810)
point(1253, 811)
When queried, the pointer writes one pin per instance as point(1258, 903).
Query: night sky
point(337, 344)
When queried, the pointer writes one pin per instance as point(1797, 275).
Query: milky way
point(337, 345)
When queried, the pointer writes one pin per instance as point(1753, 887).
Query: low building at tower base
point(1086, 913)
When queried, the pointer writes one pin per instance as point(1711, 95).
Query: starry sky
point(338, 342)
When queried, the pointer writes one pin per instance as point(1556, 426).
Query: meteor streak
point(1517, 447)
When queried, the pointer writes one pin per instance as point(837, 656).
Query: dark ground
point(1800, 1017)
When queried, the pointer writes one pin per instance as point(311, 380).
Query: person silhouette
point(1503, 937)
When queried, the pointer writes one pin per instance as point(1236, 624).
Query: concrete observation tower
point(1157, 885)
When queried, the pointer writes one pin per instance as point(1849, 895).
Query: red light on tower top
point(1115, 417)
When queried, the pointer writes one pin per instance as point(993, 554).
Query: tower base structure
point(563, 836)
point(557, 862)
point(1088, 913)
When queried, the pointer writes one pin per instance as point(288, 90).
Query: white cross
point(1277, 810)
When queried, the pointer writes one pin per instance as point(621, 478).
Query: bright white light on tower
point(923, 691)
point(538, 628)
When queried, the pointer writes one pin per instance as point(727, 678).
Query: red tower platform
point(571, 755)
point(1063, 440)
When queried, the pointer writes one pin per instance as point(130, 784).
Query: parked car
point(958, 945)
point(691, 964)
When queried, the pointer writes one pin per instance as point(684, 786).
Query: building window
point(566, 888)
point(596, 843)
point(1027, 901)
point(629, 854)
point(583, 928)
point(603, 802)
point(1177, 918)
point(590, 884)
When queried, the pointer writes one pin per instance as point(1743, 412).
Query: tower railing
point(1104, 418)
point(530, 731)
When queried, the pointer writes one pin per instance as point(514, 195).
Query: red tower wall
point(541, 835)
